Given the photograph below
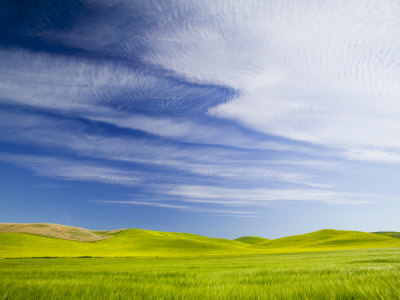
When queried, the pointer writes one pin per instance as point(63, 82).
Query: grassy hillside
point(59, 231)
point(393, 234)
point(130, 242)
point(251, 239)
point(330, 239)
point(139, 242)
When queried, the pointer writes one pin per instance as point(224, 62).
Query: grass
point(58, 231)
point(144, 264)
point(351, 274)
point(130, 242)
point(393, 234)
point(140, 243)
point(330, 239)
point(251, 240)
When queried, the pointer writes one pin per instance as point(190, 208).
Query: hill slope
point(251, 239)
point(129, 242)
point(59, 231)
point(330, 239)
point(139, 242)
point(393, 234)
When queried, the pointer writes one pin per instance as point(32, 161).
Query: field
point(51, 240)
point(351, 274)
point(49, 261)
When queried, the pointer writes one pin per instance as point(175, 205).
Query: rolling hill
point(330, 239)
point(59, 231)
point(393, 234)
point(128, 242)
point(251, 240)
point(51, 240)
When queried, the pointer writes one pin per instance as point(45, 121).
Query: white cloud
point(259, 196)
point(72, 170)
point(321, 72)
point(90, 89)
point(62, 83)
point(228, 164)
point(223, 212)
point(65, 169)
point(374, 155)
point(190, 131)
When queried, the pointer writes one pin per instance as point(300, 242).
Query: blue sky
point(221, 118)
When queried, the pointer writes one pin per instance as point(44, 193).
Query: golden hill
point(59, 231)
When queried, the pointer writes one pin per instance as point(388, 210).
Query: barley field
point(349, 274)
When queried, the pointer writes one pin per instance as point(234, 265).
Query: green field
point(48, 261)
point(393, 234)
point(351, 274)
point(61, 241)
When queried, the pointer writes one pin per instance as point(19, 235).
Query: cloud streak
point(235, 196)
point(187, 208)
point(319, 72)
point(205, 105)
point(72, 170)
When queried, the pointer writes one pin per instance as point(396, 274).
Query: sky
point(220, 118)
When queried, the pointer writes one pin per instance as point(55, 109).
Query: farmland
point(48, 261)
point(351, 274)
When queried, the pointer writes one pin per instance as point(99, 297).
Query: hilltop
point(331, 239)
point(251, 239)
point(127, 242)
point(59, 231)
point(393, 234)
point(51, 240)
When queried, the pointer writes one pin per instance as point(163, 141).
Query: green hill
point(129, 242)
point(251, 239)
point(330, 239)
point(393, 234)
point(59, 231)
point(139, 242)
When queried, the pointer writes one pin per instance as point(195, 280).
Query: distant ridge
point(52, 240)
point(59, 231)
point(251, 239)
point(331, 239)
point(393, 234)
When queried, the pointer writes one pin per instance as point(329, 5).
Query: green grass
point(251, 239)
point(139, 243)
point(144, 264)
point(393, 234)
point(351, 274)
point(131, 242)
point(330, 239)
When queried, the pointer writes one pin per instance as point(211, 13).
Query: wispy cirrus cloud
point(72, 170)
point(260, 196)
point(96, 89)
point(205, 161)
point(62, 83)
point(221, 212)
point(214, 103)
point(320, 72)
point(383, 156)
